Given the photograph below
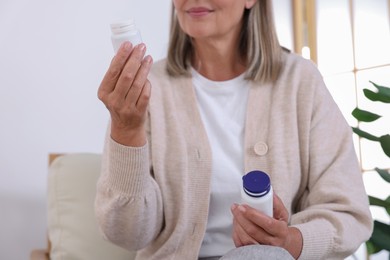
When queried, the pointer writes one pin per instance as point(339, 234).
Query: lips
point(199, 11)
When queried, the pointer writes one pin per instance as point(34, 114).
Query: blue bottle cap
point(256, 183)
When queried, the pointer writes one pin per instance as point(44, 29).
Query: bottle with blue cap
point(257, 192)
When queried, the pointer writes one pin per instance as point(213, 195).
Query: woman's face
point(211, 18)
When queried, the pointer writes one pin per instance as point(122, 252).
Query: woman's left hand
point(253, 227)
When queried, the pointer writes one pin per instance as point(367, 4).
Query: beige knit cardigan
point(155, 198)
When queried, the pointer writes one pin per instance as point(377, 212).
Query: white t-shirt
point(222, 105)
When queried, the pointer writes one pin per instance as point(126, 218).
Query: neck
point(218, 60)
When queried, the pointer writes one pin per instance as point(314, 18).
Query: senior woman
point(228, 99)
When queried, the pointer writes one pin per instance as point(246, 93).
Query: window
point(350, 42)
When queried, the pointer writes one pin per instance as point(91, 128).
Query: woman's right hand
point(125, 91)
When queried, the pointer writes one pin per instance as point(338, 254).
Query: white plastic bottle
point(257, 192)
point(122, 31)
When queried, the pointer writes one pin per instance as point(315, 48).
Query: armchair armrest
point(73, 232)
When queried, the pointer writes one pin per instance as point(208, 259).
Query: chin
point(198, 33)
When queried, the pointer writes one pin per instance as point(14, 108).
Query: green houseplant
point(380, 238)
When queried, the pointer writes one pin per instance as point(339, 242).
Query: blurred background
point(53, 55)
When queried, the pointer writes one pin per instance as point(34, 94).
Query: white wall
point(53, 55)
point(284, 25)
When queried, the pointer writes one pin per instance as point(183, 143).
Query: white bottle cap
point(123, 26)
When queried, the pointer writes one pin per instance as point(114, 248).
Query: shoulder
point(159, 68)
point(159, 77)
point(295, 64)
point(159, 74)
point(299, 75)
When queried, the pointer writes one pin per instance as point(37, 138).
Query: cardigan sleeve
point(333, 212)
point(128, 202)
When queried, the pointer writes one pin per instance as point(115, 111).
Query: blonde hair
point(258, 45)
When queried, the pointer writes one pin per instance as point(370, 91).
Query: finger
point(276, 229)
point(114, 71)
point(235, 237)
point(268, 224)
point(242, 238)
point(129, 72)
point(245, 238)
point(266, 230)
point(139, 82)
point(280, 211)
point(143, 100)
point(248, 231)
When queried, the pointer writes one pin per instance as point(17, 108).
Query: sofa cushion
point(72, 226)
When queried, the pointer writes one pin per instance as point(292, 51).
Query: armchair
point(72, 228)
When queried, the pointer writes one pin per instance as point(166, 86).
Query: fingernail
point(241, 209)
point(148, 59)
point(234, 206)
point(127, 46)
point(142, 47)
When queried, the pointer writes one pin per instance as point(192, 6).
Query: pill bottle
point(124, 30)
point(257, 192)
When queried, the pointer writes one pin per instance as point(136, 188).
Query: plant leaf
point(378, 202)
point(388, 201)
point(384, 174)
point(366, 135)
point(372, 248)
point(385, 143)
point(376, 96)
point(364, 116)
point(381, 235)
point(381, 89)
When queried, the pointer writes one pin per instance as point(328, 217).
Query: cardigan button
point(261, 148)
